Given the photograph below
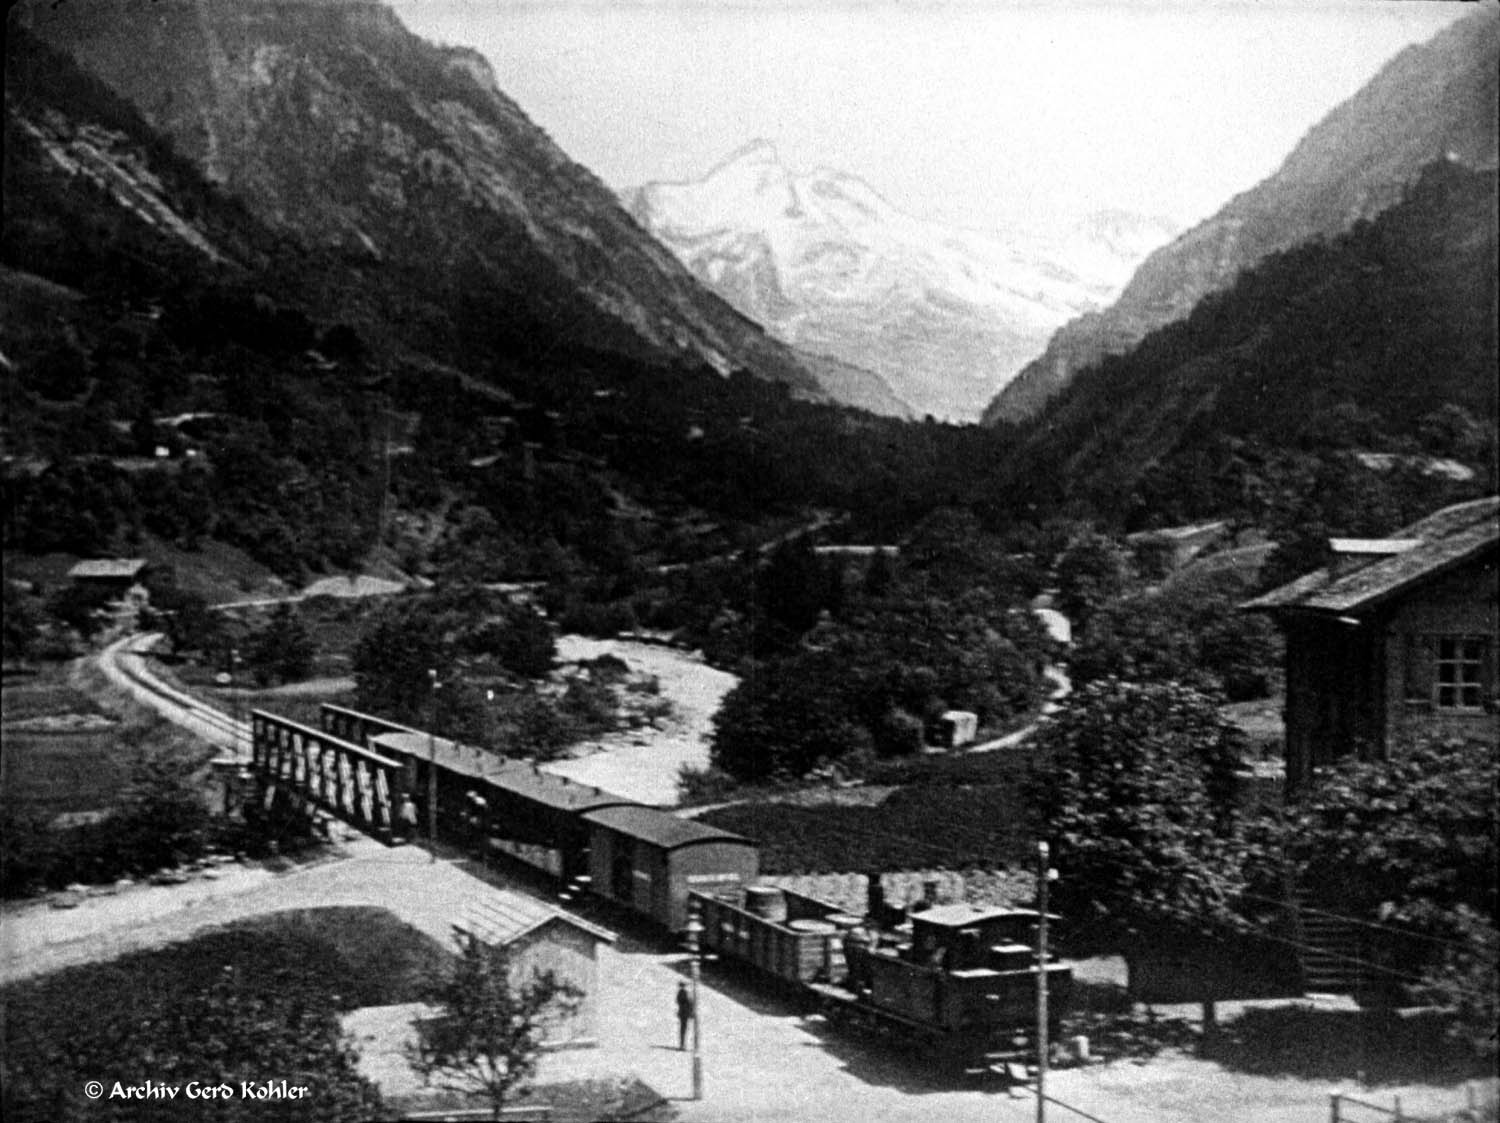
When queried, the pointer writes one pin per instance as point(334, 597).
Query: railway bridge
point(318, 768)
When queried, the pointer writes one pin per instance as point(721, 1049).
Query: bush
point(600, 621)
point(242, 1004)
point(161, 822)
point(705, 785)
point(520, 639)
point(283, 650)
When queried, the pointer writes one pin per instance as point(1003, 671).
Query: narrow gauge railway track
point(124, 664)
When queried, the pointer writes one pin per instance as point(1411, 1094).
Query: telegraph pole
point(694, 934)
point(236, 699)
point(432, 679)
point(1042, 873)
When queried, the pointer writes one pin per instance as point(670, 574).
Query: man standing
point(406, 818)
point(685, 1014)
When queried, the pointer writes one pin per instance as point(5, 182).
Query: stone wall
point(850, 891)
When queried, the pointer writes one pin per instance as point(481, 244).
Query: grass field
point(51, 772)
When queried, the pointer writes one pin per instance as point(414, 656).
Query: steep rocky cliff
point(458, 214)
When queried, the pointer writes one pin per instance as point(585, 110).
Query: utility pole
point(1042, 874)
point(694, 933)
point(432, 679)
point(385, 467)
point(236, 699)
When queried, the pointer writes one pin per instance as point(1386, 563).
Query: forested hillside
point(1432, 100)
point(1339, 376)
point(179, 369)
point(148, 309)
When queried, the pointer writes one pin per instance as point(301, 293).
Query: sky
point(990, 114)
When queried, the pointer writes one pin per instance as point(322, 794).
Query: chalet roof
point(502, 918)
point(1364, 578)
point(659, 828)
point(108, 568)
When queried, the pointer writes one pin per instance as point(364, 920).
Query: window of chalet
point(1458, 679)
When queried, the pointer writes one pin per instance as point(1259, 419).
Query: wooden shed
point(117, 575)
point(540, 938)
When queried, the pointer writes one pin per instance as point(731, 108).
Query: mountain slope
point(331, 120)
point(1381, 341)
point(143, 308)
point(944, 315)
point(1430, 100)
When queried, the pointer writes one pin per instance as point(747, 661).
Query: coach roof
point(518, 777)
point(660, 828)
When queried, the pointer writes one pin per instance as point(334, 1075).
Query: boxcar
point(648, 860)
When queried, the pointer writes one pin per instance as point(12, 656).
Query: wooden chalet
point(1393, 641)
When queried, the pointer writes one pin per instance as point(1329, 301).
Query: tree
point(1189, 631)
point(391, 661)
point(786, 718)
point(520, 639)
point(1136, 794)
point(1408, 843)
point(162, 820)
point(1400, 838)
point(283, 650)
point(1302, 550)
point(1466, 981)
point(794, 586)
point(22, 624)
point(1451, 430)
point(487, 1032)
point(1090, 572)
point(184, 615)
point(79, 607)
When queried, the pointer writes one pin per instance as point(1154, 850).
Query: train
point(958, 979)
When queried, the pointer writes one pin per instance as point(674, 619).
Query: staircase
point(1332, 949)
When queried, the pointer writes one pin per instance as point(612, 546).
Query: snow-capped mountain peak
point(945, 315)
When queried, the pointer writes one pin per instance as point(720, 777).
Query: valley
point(741, 564)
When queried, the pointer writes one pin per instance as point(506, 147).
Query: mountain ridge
point(336, 122)
point(1429, 100)
point(1380, 341)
